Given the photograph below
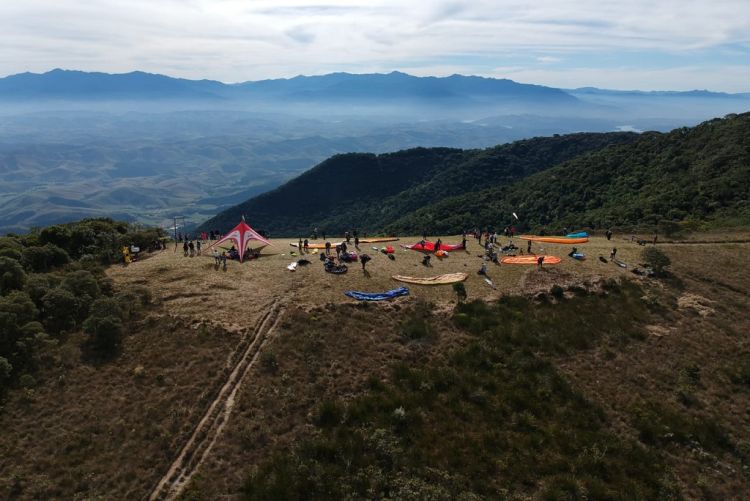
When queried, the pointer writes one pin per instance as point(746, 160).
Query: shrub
point(37, 285)
point(20, 306)
point(12, 275)
point(329, 414)
point(557, 291)
point(58, 235)
point(83, 284)
point(13, 254)
point(44, 258)
point(415, 328)
point(268, 362)
point(59, 309)
point(656, 260)
point(105, 306)
point(27, 381)
point(105, 334)
point(6, 370)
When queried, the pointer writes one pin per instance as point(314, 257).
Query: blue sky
point(636, 44)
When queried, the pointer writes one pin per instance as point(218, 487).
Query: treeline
point(52, 283)
point(690, 177)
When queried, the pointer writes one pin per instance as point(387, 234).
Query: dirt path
point(210, 427)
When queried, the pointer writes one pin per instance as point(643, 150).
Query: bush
point(83, 284)
point(105, 334)
point(104, 307)
point(37, 285)
point(329, 414)
point(12, 275)
point(656, 260)
point(557, 291)
point(27, 381)
point(59, 309)
point(45, 258)
point(13, 254)
point(6, 369)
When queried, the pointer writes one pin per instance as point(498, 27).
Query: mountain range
point(139, 90)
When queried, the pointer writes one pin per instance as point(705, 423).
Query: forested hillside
point(689, 175)
point(371, 191)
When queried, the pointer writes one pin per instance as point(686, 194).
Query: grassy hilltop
point(577, 380)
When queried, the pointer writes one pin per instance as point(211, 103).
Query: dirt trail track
point(209, 428)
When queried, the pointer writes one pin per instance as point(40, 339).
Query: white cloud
point(234, 40)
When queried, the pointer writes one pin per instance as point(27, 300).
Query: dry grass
point(193, 287)
point(110, 430)
point(703, 331)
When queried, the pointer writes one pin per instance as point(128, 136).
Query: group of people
point(202, 236)
point(191, 249)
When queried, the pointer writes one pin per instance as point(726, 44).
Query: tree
point(12, 275)
point(656, 260)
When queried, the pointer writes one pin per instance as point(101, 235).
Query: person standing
point(198, 247)
point(356, 240)
point(306, 246)
point(328, 248)
point(528, 247)
point(185, 248)
point(191, 246)
point(540, 262)
point(364, 258)
point(613, 254)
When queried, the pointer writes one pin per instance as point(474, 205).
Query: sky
point(625, 44)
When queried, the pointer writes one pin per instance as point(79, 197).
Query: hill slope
point(371, 191)
point(583, 180)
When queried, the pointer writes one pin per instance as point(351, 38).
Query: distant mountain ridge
point(78, 85)
point(138, 85)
